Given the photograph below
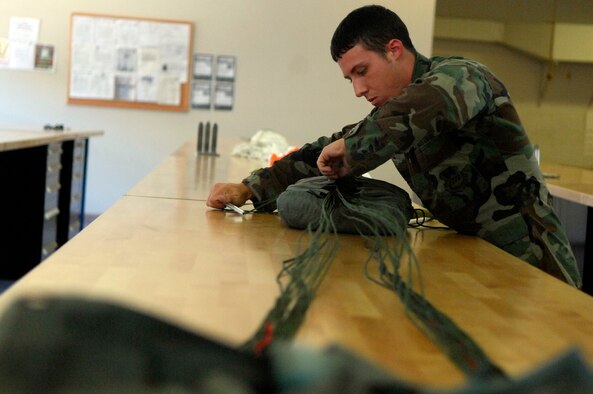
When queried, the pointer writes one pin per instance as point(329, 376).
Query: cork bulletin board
point(129, 62)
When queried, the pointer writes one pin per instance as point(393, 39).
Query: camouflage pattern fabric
point(456, 138)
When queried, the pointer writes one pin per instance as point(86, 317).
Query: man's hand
point(332, 160)
point(235, 193)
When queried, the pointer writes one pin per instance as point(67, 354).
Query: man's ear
point(395, 47)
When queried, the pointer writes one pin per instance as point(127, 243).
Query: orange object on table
point(275, 157)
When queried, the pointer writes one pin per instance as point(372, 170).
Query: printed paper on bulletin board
point(130, 62)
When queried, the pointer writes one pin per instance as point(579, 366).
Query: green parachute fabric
point(301, 204)
point(380, 212)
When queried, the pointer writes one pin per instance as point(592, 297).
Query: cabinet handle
point(52, 188)
point(74, 226)
point(49, 247)
point(54, 148)
point(56, 167)
point(51, 213)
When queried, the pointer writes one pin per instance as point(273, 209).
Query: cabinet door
point(23, 174)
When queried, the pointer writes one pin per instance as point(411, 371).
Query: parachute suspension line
point(385, 231)
point(389, 245)
point(299, 280)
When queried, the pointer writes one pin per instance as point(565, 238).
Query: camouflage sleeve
point(444, 99)
point(267, 183)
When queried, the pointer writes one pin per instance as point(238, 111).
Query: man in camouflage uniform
point(451, 130)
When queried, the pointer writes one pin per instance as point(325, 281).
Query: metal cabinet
point(41, 202)
point(73, 186)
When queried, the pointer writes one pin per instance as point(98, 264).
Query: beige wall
point(553, 99)
point(286, 79)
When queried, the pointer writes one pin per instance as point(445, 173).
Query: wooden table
point(188, 175)
point(214, 272)
point(11, 139)
point(575, 184)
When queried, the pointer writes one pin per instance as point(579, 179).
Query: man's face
point(374, 76)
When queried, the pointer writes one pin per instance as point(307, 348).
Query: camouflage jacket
point(456, 138)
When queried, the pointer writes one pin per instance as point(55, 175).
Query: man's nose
point(360, 88)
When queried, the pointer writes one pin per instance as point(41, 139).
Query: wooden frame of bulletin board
point(129, 62)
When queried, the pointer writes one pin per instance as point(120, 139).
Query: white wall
point(286, 79)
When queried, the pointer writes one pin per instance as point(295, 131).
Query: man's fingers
point(222, 193)
point(218, 196)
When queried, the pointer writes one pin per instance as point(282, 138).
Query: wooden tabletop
point(214, 272)
point(570, 183)
point(11, 139)
point(188, 175)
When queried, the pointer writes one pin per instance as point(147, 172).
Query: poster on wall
point(225, 68)
point(21, 49)
point(45, 58)
point(203, 66)
point(130, 62)
point(223, 95)
point(23, 34)
point(214, 87)
point(23, 29)
point(201, 94)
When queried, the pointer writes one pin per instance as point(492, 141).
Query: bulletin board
point(130, 62)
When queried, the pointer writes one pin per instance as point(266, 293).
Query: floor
point(5, 284)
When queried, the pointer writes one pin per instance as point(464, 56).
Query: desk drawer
point(77, 183)
point(79, 145)
point(78, 156)
point(50, 228)
point(52, 176)
point(75, 209)
point(54, 153)
point(53, 173)
point(52, 194)
point(74, 227)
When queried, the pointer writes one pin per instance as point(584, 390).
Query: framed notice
point(225, 68)
point(224, 95)
point(201, 94)
point(44, 57)
point(130, 62)
point(203, 65)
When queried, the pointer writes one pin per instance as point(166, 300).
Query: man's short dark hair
point(373, 26)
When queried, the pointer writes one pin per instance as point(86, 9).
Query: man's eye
point(362, 71)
